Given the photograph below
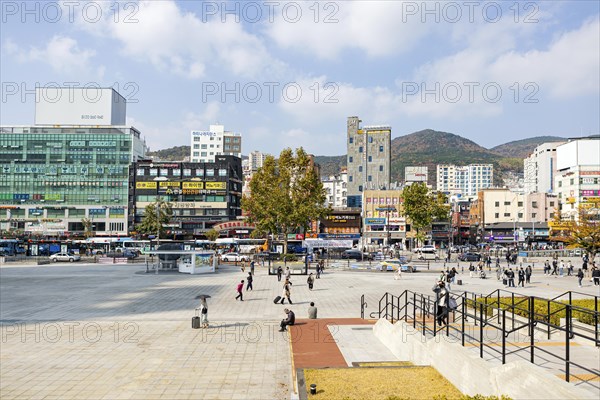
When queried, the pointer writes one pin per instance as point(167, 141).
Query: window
point(370, 158)
point(381, 149)
point(370, 139)
point(520, 204)
point(196, 154)
point(153, 172)
point(203, 154)
point(496, 215)
point(533, 215)
point(222, 172)
point(196, 146)
point(520, 215)
point(176, 172)
point(199, 172)
point(203, 147)
point(187, 172)
point(534, 204)
point(551, 204)
point(559, 183)
point(140, 172)
point(360, 188)
point(360, 149)
point(381, 168)
point(360, 168)
point(164, 172)
point(350, 178)
point(369, 178)
point(572, 181)
point(507, 214)
point(210, 172)
point(351, 140)
point(350, 159)
point(507, 203)
point(497, 204)
point(196, 139)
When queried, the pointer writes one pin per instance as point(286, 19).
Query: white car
point(234, 257)
point(428, 248)
point(65, 257)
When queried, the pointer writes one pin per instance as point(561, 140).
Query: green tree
point(211, 235)
point(154, 221)
point(423, 207)
point(286, 194)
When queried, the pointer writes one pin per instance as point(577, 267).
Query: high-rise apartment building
point(540, 168)
point(336, 187)
point(368, 159)
point(256, 160)
point(205, 145)
point(465, 181)
point(72, 165)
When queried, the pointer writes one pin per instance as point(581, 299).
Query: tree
point(423, 207)
point(286, 194)
point(154, 221)
point(211, 235)
point(582, 232)
point(87, 227)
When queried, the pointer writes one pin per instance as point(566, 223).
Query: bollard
point(313, 389)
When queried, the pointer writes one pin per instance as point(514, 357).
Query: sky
point(288, 74)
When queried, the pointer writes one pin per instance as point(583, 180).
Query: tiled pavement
point(105, 332)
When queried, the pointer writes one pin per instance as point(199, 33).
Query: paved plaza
point(79, 331)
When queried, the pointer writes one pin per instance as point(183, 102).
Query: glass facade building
point(55, 176)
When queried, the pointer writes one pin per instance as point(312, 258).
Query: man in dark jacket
point(291, 318)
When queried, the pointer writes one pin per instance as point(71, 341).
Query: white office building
point(540, 168)
point(577, 181)
point(216, 141)
point(336, 190)
point(464, 181)
point(256, 160)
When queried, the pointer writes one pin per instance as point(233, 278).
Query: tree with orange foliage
point(582, 232)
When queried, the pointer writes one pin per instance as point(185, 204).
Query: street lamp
point(158, 179)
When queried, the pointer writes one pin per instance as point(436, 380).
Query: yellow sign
point(592, 199)
point(52, 196)
point(215, 185)
point(559, 225)
point(168, 184)
point(145, 185)
point(193, 185)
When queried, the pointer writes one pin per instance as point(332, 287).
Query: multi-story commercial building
point(72, 167)
point(336, 189)
point(501, 205)
point(415, 174)
point(201, 194)
point(464, 181)
point(368, 159)
point(540, 168)
point(577, 181)
point(206, 145)
point(382, 219)
point(540, 207)
point(460, 222)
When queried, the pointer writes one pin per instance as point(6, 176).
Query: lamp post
point(158, 179)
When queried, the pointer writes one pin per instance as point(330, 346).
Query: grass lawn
point(379, 383)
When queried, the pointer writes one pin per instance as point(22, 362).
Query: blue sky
point(288, 74)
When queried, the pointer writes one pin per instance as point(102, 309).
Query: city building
point(540, 168)
point(368, 159)
point(382, 219)
point(577, 181)
point(206, 145)
point(256, 160)
point(540, 207)
point(464, 181)
point(69, 172)
point(336, 189)
point(201, 194)
point(460, 222)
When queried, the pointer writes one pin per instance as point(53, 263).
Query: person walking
point(249, 279)
point(203, 308)
point(312, 311)
point(585, 267)
point(569, 268)
point(561, 268)
point(580, 276)
point(546, 268)
point(240, 287)
point(286, 292)
point(252, 263)
point(554, 267)
point(441, 293)
point(243, 265)
point(279, 273)
point(510, 275)
point(521, 277)
point(310, 281)
point(318, 269)
point(290, 320)
point(288, 273)
point(596, 276)
point(528, 272)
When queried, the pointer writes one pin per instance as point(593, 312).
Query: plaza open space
point(88, 331)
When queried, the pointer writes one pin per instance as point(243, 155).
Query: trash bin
point(313, 389)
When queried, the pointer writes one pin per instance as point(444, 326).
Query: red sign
point(225, 226)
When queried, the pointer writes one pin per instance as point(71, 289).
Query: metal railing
point(504, 311)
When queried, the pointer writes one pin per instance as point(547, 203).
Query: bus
point(11, 247)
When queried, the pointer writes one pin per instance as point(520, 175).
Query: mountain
point(177, 153)
point(522, 148)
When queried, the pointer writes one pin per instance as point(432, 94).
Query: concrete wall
point(471, 374)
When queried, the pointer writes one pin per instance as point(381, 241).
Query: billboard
point(79, 106)
point(415, 174)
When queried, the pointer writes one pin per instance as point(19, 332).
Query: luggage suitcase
point(459, 282)
point(277, 299)
point(504, 282)
point(196, 321)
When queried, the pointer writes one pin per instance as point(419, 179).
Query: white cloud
point(62, 53)
point(180, 42)
point(376, 28)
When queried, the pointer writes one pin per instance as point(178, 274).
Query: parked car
point(469, 257)
point(234, 257)
point(394, 264)
point(354, 254)
point(122, 254)
point(428, 248)
point(65, 257)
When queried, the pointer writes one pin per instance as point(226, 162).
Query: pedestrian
point(561, 268)
point(510, 275)
point(318, 269)
point(250, 278)
point(489, 263)
point(243, 265)
point(203, 312)
point(398, 274)
point(286, 292)
point(521, 277)
point(290, 320)
point(288, 273)
point(580, 276)
point(546, 268)
point(569, 268)
point(596, 276)
point(471, 270)
point(240, 287)
point(312, 311)
point(252, 267)
point(585, 267)
point(528, 272)
point(310, 281)
point(440, 300)
point(554, 267)
point(279, 273)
